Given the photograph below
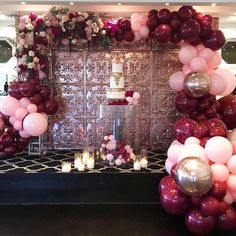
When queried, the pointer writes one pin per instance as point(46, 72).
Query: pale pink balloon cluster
point(139, 26)
point(134, 99)
point(23, 116)
point(218, 153)
point(204, 60)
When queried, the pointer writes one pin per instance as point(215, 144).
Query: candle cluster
point(141, 161)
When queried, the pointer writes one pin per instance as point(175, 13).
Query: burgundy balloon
point(14, 89)
point(204, 141)
point(164, 16)
point(200, 131)
point(125, 25)
point(34, 80)
point(174, 15)
point(7, 139)
point(218, 190)
point(5, 119)
point(119, 37)
point(13, 132)
point(215, 40)
point(174, 201)
point(162, 33)
point(217, 131)
point(223, 207)
point(200, 117)
point(152, 12)
point(27, 89)
point(45, 91)
point(196, 42)
point(185, 104)
point(195, 200)
point(198, 16)
point(206, 28)
point(166, 182)
point(10, 150)
point(129, 36)
point(51, 106)
point(214, 122)
point(227, 221)
point(199, 224)
point(41, 107)
point(175, 24)
point(152, 23)
point(36, 98)
point(183, 129)
point(185, 13)
point(209, 206)
point(211, 112)
point(228, 110)
point(23, 141)
point(190, 30)
point(174, 38)
point(119, 31)
point(188, 7)
point(208, 18)
point(2, 147)
point(203, 104)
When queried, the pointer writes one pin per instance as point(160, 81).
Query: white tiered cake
point(116, 91)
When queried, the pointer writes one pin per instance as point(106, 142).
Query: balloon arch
point(201, 160)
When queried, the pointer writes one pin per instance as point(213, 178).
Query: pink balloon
point(143, 20)
point(176, 81)
point(18, 125)
point(231, 182)
point(200, 47)
point(198, 64)
point(187, 53)
point(144, 31)
point(173, 152)
point(21, 113)
point(135, 16)
point(9, 105)
point(217, 84)
point(220, 172)
point(2, 124)
point(176, 142)
point(12, 119)
point(135, 25)
point(24, 134)
point(32, 108)
point(45, 115)
point(136, 95)
point(232, 164)
point(192, 140)
point(215, 60)
point(228, 197)
point(24, 102)
point(207, 54)
point(186, 69)
point(129, 100)
point(137, 36)
point(35, 124)
point(135, 101)
point(218, 149)
point(168, 165)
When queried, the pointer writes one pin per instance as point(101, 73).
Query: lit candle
point(97, 154)
point(137, 165)
point(90, 163)
point(144, 163)
point(85, 156)
point(66, 166)
point(81, 167)
point(77, 161)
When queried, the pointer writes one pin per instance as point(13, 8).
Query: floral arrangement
point(131, 98)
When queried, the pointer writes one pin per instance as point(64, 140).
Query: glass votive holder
point(137, 163)
point(144, 158)
point(66, 166)
point(85, 155)
point(91, 161)
point(77, 159)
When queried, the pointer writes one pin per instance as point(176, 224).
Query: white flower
point(36, 59)
point(22, 42)
point(94, 25)
point(43, 34)
point(86, 15)
point(104, 32)
point(103, 145)
point(31, 65)
point(26, 45)
point(31, 54)
point(29, 26)
point(89, 22)
point(95, 30)
point(28, 21)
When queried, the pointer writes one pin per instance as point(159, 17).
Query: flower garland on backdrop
point(201, 161)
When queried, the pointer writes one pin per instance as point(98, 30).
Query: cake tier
point(117, 67)
point(116, 94)
point(117, 81)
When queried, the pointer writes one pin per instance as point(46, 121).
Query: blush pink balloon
point(12, 119)
point(135, 101)
point(192, 140)
point(32, 108)
point(9, 105)
point(232, 164)
point(24, 134)
point(135, 16)
point(215, 60)
point(168, 165)
point(228, 198)
point(220, 172)
point(136, 95)
point(143, 20)
point(187, 53)
point(176, 81)
point(200, 47)
point(217, 84)
point(135, 25)
point(129, 100)
point(198, 64)
point(45, 115)
point(173, 152)
point(137, 36)
point(186, 69)
point(219, 149)
point(21, 113)
point(144, 31)
point(176, 142)
point(18, 125)
point(35, 124)
point(231, 182)
point(24, 102)
point(207, 54)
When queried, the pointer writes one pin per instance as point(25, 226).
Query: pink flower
point(23, 20)
point(109, 157)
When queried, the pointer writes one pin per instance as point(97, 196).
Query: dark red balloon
point(10, 150)
point(23, 141)
point(13, 132)
point(129, 36)
point(166, 182)
point(185, 104)
point(119, 37)
point(174, 15)
point(204, 141)
point(209, 206)
point(227, 221)
point(200, 131)
point(188, 7)
point(5, 119)
point(215, 40)
point(190, 30)
point(199, 224)
point(175, 24)
point(200, 117)
point(27, 89)
point(228, 110)
point(183, 129)
point(125, 25)
point(217, 131)
point(41, 107)
point(152, 12)
point(206, 28)
point(14, 89)
point(51, 106)
point(2, 147)
point(185, 13)
point(203, 104)
point(162, 33)
point(174, 38)
point(223, 207)
point(195, 200)
point(218, 190)
point(164, 16)
point(45, 91)
point(208, 18)
point(211, 112)
point(7, 139)
point(152, 23)
point(34, 80)
point(174, 201)
point(36, 98)
point(214, 122)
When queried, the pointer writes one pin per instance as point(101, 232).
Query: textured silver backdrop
point(80, 79)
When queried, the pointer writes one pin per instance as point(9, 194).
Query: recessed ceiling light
point(234, 13)
point(71, 3)
point(22, 3)
point(167, 4)
point(119, 3)
point(213, 4)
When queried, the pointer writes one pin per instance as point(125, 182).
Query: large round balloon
point(215, 40)
point(193, 176)
point(9, 105)
point(185, 104)
point(190, 30)
point(162, 33)
point(196, 84)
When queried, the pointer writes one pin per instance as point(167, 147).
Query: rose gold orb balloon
point(232, 138)
point(196, 84)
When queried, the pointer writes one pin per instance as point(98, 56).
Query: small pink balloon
point(9, 105)
point(217, 84)
point(168, 165)
point(21, 113)
point(215, 60)
point(200, 47)
point(45, 115)
point(136, 95)
point(135, 101)
point(144, 31)
point(231, 182)
point(198, 64)
point(32, 108)
point(219, 149)
point(228, 198)
point(232, 164)
point(186, 69)
point(187, 53)
point(192, 140)
point(24, 102)
point(24, 134)
point(135, 25)
point(220, 172)
point(137, 36)
point(129, 100)
point(18, 125)
point(143, 20)
point(176, 81)
point(173, 152)
point(207, 54)
point(12, 119)
point(176, 142)
point(135, 16)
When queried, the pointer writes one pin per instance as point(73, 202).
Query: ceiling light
point(234, 13)
point(22, 3)
point(167, 4)
point(119, 3)
point(213, 4)
point(71, 3)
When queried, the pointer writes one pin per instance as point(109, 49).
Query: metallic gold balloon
point(193, 176)
point(196, 84)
